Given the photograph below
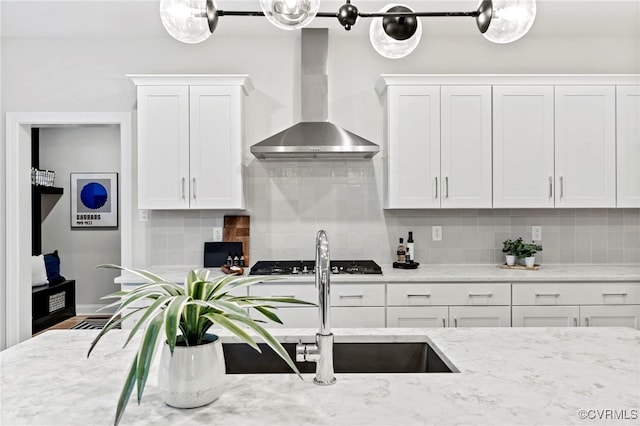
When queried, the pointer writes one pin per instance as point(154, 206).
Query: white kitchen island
point(541, 376)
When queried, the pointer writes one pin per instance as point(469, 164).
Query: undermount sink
point(391, 357)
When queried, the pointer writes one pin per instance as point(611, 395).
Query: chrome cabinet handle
point(586, 321)
point(351, 296)
point(436, 186)
point(444, 324)
point(194, 188)
point(418, 295)
point(480, 294)
point(455, 322)
point(547, 294)
point(550, 187)
point(183, 181)
point(575, 321)
point(561, 187)
point(613, 294)
point(446, 187)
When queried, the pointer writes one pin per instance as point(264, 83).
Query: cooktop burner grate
point(306, 267)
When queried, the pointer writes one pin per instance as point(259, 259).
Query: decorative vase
point(511, 259)
point(529, 261)
point(194, 375)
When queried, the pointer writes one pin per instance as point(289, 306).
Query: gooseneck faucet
point(322, 352)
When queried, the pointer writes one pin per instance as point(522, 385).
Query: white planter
point(193, 376)
point(529, 261)
point(511, 259)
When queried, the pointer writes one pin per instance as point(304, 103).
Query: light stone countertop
point(531, 376)
point(446, 273)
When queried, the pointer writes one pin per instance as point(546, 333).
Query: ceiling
point(140, 18)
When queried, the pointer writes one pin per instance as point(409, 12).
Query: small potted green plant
point(527, 252)
point(510, 248)
point(192, 367)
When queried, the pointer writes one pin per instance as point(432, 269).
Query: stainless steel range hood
point(314, 137)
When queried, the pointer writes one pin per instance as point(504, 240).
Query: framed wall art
point(94, 200)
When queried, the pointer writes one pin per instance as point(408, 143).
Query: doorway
point(17, 249)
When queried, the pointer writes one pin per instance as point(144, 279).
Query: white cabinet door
point(523, 157)
point(545, 316)
point(480, 316)
point(291, 318)
point(357, 317)
point(628, 146)
point(610, 316)
point(465, 160)
point(424, 316)
point(413, 147)
point(585, 149)
point(163, 147)
point(216, 147)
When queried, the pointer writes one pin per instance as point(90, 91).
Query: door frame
point(17, 250)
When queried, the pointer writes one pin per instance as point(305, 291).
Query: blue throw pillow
point(52, 264)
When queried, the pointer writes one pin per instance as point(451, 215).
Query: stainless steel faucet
point(322, 351)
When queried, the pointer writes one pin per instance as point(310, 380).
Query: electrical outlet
point(436, 233)
point(143, 215)
point(217, 234)
point(536, 233)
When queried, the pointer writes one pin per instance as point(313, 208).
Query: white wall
point(81, 149)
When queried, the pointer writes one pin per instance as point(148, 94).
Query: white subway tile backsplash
point(289, 202)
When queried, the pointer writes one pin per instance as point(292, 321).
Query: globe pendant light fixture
point(189, 21)
point(395, 30)
point(510, 20)
point(290, 14)
point(395, 36)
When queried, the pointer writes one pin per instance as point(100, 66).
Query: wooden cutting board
point(236, 228)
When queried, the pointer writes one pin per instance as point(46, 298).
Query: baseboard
point(93, 310)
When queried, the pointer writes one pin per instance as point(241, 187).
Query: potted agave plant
point(192, 367)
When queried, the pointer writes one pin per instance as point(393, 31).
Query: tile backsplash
point(290, 201)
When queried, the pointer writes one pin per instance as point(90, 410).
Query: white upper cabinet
point(438, 147)
point(523, 157)
point(413, 147)
point(585, 146)
point(465, 144)
point(190, 141)
point(628, 146)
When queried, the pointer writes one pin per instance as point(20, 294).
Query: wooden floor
point(68, 323)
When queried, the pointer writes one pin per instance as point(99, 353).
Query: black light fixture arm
point(348, 14)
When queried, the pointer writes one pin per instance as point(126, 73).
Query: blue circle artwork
point(93, 195)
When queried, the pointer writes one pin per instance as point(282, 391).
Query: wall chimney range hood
point(314, 137)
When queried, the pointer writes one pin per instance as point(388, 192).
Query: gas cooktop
point(305, 267)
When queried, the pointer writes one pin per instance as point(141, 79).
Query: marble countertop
point(448, 273)
point(532, 376)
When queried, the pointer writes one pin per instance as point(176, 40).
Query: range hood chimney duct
point(314, 137)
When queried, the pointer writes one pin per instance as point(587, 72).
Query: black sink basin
point(393, 357)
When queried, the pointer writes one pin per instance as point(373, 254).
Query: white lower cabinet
point(352, 305)
point(449, 305)
point(576, 304)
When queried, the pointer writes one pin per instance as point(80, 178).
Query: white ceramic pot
point(511, 259)
point(529, 261)
point(193, 376)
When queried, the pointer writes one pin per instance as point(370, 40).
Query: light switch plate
point(436, 233)
point(217, 234)
point(536, 233)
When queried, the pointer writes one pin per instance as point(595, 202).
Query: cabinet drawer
point(357, 295)
point(576, 294)
point(448, 294)
point(306, 292)
point(424, 316)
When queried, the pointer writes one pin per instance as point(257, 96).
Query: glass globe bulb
point(185, 20)
point(388, 46)
point(290, 14)
point(511, 19)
